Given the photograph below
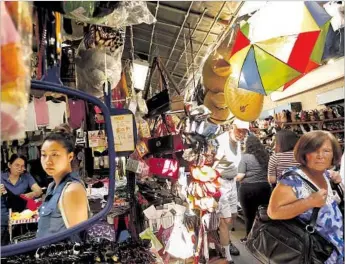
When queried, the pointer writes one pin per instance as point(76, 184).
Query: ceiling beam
point(153, 31)
point(162, 45)
point(204, 41)
point(179, 33)
point(169, 24)
point(182, 11)
point(184, 50)
point(165, 35)
point(146, 54)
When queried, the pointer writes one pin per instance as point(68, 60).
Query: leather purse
point(165, 144)
point(164, 168)
point(288, 241)
point(158, 104)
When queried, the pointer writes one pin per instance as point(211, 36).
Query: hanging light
point(140, 69)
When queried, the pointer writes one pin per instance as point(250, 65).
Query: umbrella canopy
point(259, 71)
point(278, 45)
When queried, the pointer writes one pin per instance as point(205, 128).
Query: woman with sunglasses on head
point(66, 203)
point(317, 152)
point(14, 182)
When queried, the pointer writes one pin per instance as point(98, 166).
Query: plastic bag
point(16, 26)
point(126, 14)
point(95, 67)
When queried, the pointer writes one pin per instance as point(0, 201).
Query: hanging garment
point(30, 122)
point(77, 110)
point(56, 111)
point(41, 109)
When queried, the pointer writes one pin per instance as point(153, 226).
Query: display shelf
point(298, 123)
point(334, 119)
point(319, 123)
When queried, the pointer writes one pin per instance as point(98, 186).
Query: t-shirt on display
point(77, 113)
point(56, 111)
point(30, 122)
point(41, 108)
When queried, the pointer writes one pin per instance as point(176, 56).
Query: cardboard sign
point(123, 133)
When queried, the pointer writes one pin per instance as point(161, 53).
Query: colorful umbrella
point(278, 45)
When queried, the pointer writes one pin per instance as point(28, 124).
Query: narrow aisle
point(245, 257)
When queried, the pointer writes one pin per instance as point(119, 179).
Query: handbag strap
point(311, 226)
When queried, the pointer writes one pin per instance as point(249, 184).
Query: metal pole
point(234, 17)
point(214, 22)
point(179, 33)
point(153, 31)
point(168, 24)
point(185, 48)
point(161, 45)
point(146, 54)
point(181, 11)
point(164, 35)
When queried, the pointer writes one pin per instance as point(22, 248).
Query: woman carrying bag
point(316, 151)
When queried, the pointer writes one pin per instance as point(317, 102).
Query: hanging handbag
point(166, 144)
point(288, 241)
point(164, 168)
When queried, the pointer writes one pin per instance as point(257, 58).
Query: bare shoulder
point(74, 189)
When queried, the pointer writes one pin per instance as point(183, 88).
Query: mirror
point(29, 201)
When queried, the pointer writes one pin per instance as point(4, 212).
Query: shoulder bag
point(288, 241)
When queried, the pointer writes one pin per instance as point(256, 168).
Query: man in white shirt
point(227, 159)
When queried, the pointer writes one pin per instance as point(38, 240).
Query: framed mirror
point(39, 189)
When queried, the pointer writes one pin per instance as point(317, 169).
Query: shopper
point(227, 160)
point(66, 203)
point(14, 182)
point(254, 189)
point(316, 151)
point(283, 158)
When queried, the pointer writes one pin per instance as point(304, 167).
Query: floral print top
point(330, 219)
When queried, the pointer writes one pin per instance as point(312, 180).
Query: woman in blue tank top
point(66, 203)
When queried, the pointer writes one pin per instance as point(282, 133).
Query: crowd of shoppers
point(263, 181)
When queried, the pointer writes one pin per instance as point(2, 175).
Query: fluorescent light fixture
point(140, 69)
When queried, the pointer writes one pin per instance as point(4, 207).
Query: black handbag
point(288, 241)
point(158, 104)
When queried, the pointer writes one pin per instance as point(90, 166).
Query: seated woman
point(16, 181)
point(316, 151)
point(66, 203)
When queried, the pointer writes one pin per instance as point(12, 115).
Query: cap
point(241, 124)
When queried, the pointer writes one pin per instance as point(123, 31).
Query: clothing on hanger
point(77, 109)
point(57, 112)
point(41, 109)
point(30, 122)
point(59, 97)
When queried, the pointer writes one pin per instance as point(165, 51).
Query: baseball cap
point(241, 124)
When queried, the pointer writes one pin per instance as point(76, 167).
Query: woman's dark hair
point(285, 140)
point(312, 141)
point(64, 135)
point(255, 147)
point(15, 156)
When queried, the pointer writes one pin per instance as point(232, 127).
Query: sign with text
point(123, 133)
